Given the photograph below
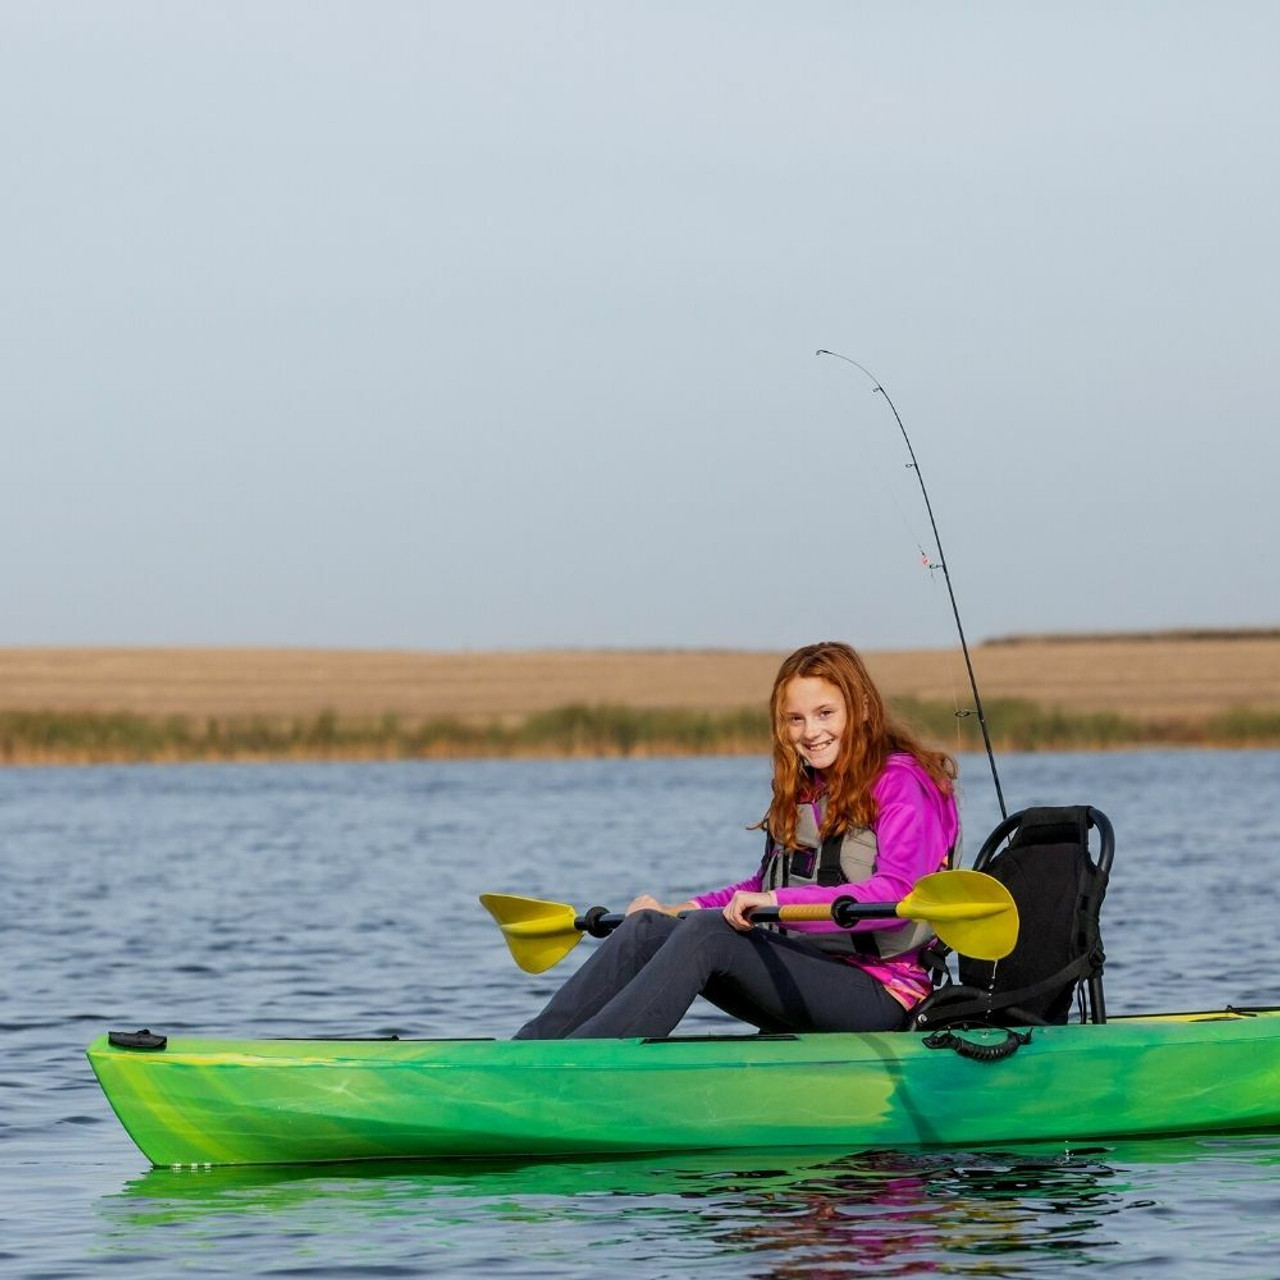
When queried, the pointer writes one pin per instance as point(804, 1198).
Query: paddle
point(972, 913)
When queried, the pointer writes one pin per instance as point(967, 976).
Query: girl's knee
point(705, 921)
point(648, 930)
point(645, 924)
point(706, 930)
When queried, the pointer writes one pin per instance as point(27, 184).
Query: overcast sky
point(492, 325)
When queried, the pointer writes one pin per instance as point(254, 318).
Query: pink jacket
point(916, 826)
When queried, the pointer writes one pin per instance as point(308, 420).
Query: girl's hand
point(646, 902)
point(737, 908)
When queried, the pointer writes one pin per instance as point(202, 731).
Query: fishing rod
point(942, 564)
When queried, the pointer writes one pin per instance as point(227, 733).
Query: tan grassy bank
point(92, 704)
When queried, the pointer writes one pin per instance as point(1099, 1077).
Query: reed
point(1247, 726)
point(576, 730)
point(1017, 724)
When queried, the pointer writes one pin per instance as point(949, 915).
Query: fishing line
point(941, 564)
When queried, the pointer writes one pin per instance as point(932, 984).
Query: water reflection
point(893, 1214)
point(767, 1213)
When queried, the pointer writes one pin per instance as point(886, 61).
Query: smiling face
point(814, 717)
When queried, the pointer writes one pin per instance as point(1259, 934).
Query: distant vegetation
point(46, 737)
point(1176, 635)
point(1017, 724)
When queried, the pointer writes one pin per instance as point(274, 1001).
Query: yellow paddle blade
point(539, 934)
point(972, 913)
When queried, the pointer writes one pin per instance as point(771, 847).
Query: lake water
point(341, 899)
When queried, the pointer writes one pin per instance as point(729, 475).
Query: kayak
point(198, 1102)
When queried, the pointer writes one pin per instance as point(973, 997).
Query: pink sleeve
point(718, 897)
point(915, 828)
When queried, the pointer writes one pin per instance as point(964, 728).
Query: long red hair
point(871, 736)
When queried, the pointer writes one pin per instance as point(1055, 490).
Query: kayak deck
point(201, 1101)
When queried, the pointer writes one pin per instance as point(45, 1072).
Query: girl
point(859, 808)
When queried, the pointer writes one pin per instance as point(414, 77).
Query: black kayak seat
point(1043, 857)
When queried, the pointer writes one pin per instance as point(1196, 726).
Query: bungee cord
point(941, 564)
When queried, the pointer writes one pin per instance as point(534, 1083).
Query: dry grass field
point(1156, 677)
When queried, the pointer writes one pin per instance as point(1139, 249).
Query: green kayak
point(230, 1102)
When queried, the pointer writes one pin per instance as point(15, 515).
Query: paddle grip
point(846, 912)
point(806, 911)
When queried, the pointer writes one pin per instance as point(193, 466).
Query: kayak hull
point(232, 1102)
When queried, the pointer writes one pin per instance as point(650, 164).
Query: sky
point(493, 325)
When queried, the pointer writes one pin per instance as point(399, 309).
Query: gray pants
point(645, 975)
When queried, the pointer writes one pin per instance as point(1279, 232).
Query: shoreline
point(68, 762)
point(578, 731)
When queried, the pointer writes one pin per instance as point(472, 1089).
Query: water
point(314, 899)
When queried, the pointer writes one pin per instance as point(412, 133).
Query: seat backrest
point(1042, 856)
point(1047, 867)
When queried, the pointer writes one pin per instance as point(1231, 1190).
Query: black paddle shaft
point(846, 912)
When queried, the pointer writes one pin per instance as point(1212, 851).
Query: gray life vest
point(839, 859)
